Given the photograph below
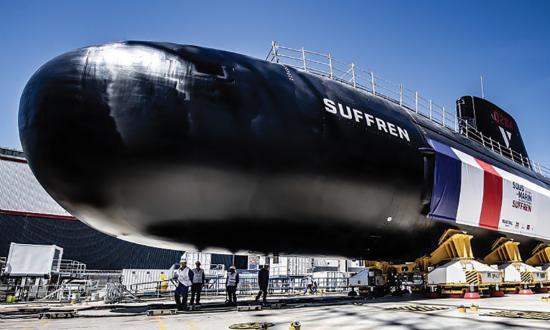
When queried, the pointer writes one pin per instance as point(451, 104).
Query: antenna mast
point(482, 91)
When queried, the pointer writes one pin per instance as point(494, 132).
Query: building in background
point(29, 215)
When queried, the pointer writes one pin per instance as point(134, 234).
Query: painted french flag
point(465, 188)
point(472, 192)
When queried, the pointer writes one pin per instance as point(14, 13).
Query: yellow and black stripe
point(526, 277)
point(472, 277)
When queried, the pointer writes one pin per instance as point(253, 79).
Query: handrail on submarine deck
point(326, 66)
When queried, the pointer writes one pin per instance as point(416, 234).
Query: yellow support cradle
point(541, 255)
point(382, 265)
point(503, 250)
point(453, 244)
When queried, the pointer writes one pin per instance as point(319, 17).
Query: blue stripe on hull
point(446, 187)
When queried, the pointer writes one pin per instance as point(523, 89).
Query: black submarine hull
point(215, 149)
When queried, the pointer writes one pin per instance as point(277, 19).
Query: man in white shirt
point(184, 277)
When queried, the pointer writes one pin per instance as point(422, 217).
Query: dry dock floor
point(515, 312)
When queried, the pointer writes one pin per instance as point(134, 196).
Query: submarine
point(162, 144)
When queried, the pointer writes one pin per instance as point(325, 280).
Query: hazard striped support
point(472, 278)
point(527, 277)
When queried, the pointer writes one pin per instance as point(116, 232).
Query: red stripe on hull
point(492, 197)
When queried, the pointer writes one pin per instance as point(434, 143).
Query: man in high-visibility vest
point(231, 283)
point(198, 282)
point(184, 277)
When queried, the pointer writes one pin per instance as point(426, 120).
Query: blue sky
point(437, 47)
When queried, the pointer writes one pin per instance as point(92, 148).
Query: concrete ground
point(382, 313)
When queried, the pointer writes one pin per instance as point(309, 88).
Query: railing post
point(522, 160)
point(353, 75)
point(456, 123)
point(274, 49)
point(401, 94)
point(372, 82)
point(330, 66)
point(304, 58)
point(416, 101)
point(482, 139)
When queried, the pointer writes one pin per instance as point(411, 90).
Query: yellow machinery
point(503, 250)
point(382, 265)
point(541, 258)
point(163, 283)
point(453, 244)
point(452, 270)
point(517, 275)
point(541, 255)
point(398, 277)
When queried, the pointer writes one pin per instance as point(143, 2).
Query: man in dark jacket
point(263, 282)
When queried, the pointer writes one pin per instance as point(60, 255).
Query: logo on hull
point(507, 136)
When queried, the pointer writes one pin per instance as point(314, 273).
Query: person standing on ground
point(184, 277)
point(309, 284)
point(263, 282)
point(231, 283)
point(197, 283)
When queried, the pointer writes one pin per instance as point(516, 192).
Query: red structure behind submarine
point(215, 149)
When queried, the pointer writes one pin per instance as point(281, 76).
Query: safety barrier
point(215, 285)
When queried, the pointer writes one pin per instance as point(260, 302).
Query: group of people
point(188, 278)
point(194, 278)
